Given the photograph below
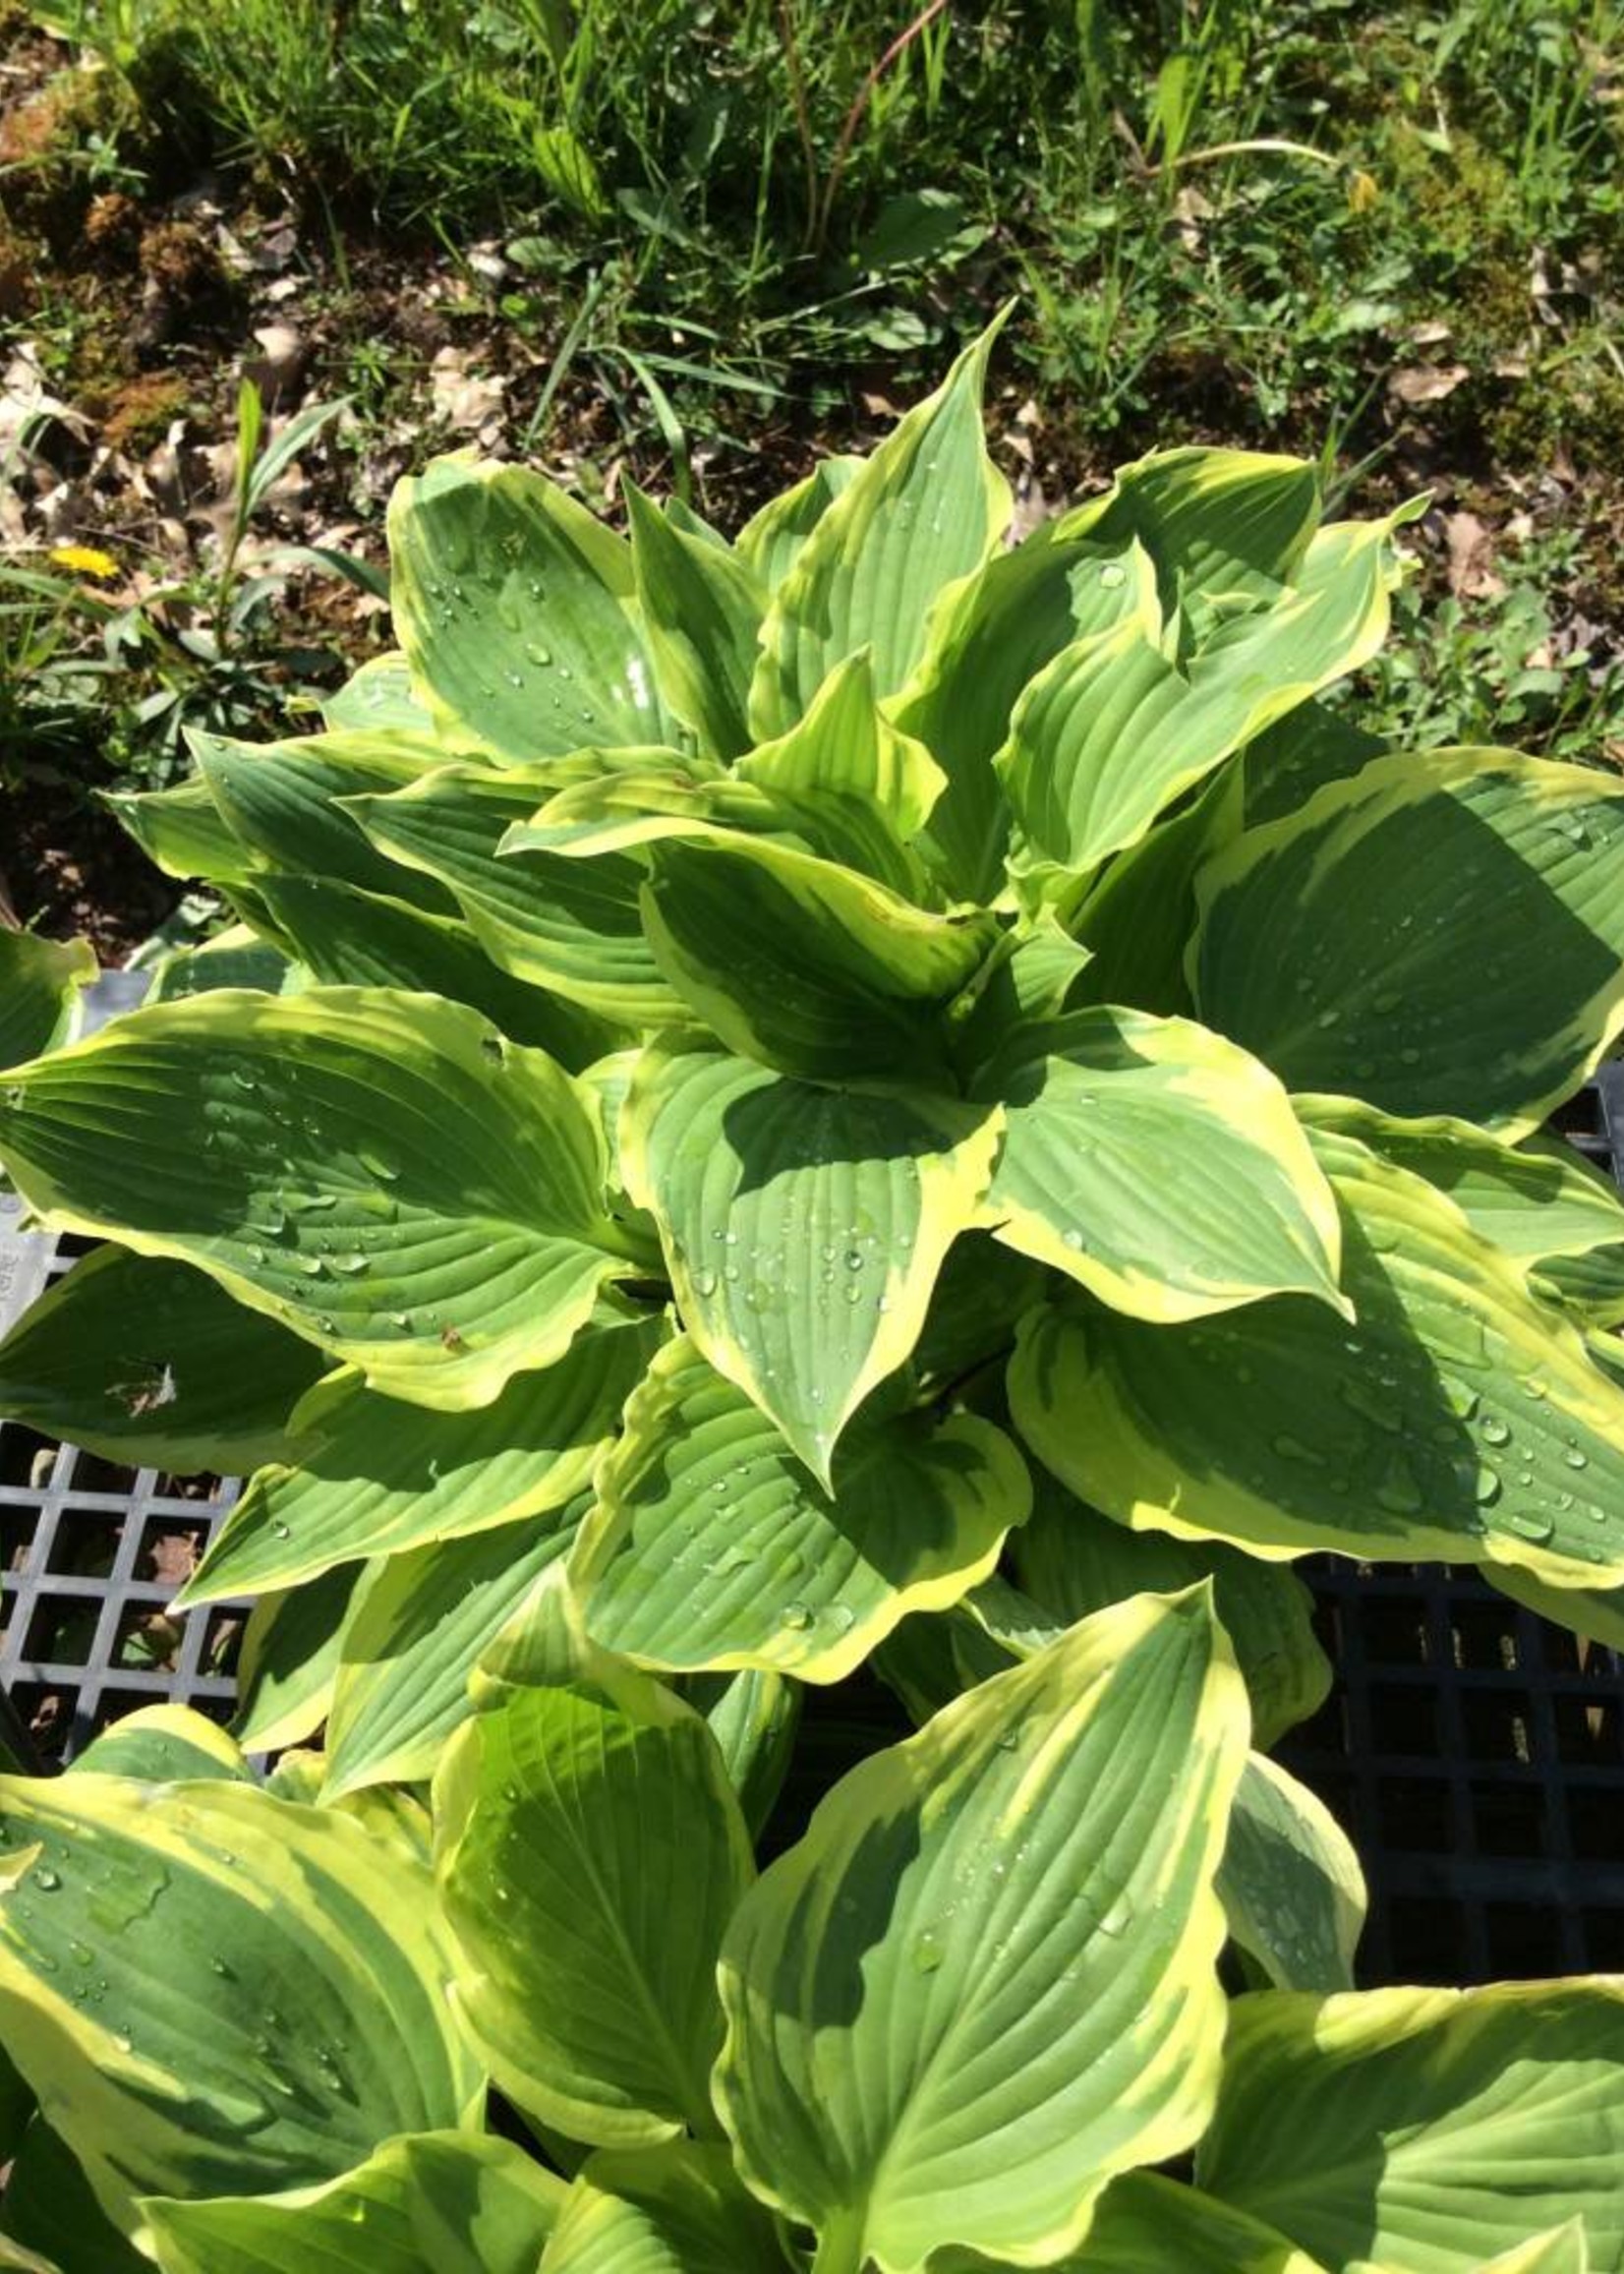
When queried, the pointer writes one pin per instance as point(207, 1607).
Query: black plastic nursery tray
point(1475, 1755)
point(1474, 1752)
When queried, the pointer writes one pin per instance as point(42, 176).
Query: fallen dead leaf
point(1470, 558)
point(469, 402)
point(27, 402)
point(1190, 211)
point(1426, 382)
point(279, 366)
point(173, 1557)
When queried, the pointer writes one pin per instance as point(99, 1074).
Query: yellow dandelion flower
point(1362, 192)
point(85, 559)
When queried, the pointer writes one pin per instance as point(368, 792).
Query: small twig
point(854, 116)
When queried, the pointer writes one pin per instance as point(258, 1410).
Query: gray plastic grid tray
point(91, 1552)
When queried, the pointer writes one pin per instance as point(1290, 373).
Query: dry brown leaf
point(26, 400)
point(1426, 382)
point(1471, 563)
point(1190, 210)
point(279, 366)
point(468, 402)
point(173, 1557)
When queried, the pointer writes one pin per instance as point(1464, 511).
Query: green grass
point(1512, 666)
point(724, 221)
point(719, 162)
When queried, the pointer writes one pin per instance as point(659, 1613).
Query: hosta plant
point(854, 1096)
point(957, 2024)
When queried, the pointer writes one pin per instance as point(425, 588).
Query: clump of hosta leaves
point(857, 1094)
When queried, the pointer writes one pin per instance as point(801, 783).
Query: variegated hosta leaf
point(1283, 767)
point(1458, 1417)
point(1425, 2128)
point(289, 1660)
point(415, 1632)
point(1137, 919)
point(181, 831)
point(572, 926)
point(313, 2023)
point(983, 1982)
point(803, 1228)
point(1157, 1165)
point(431, 2204)
point(1112, 731)
point(862, 788)
point(754, 1717)
point(980, 1293)
point(516, 611)
point(148, 1362)
point(712, 1547)
point(1025, 981)
point(1540, 1203)
point(40, 984)
point(987, 638)
point(588, 1852)
point(1563, 2251)
point(382, 1173)
point(281, 802)
point(1073, 1561)
point(702, 607)
point(379, 694)
point(389, 1813)
point(1443, 933)
point(663, 796)
point(1290, 1883)
point(805, 965)
point(927, 508)
point(163, 1745)
point(930, 1660)
point(1225, 528)
point(375, 1476)
point(771, 541)
point(234, 958)
point(352, 939)
point(1595, 1613)
point(1146, 2224)
point(676, 2209)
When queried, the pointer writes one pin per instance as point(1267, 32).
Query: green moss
point(1575, 407)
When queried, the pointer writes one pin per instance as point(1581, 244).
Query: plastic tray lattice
point(90, 1554)
point(91, 1551)
point(1475, 1753)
